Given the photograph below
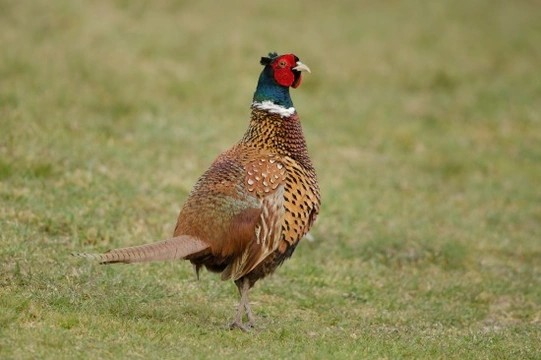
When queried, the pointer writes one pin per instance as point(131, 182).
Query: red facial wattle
point(284, 76)
point(283, 71)
point(298, 79)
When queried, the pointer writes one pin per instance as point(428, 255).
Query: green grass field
point(423, 120)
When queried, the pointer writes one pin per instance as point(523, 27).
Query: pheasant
point(249, 210)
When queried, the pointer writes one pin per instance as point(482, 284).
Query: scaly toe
point(251, 322)
point(239, 325)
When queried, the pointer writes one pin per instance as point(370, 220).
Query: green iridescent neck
point(269, 90)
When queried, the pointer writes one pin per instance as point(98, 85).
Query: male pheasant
point(249, 210)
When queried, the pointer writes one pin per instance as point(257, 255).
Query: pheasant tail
point(175, 248)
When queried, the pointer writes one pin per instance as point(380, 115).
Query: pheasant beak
point(301, 67)
point(298, 76)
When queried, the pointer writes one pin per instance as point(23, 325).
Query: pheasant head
point(280, 73)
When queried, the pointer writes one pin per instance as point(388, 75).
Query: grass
point(422, 119)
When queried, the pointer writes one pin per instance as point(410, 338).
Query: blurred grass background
point(423, 121)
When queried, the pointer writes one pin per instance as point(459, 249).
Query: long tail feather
point(171, 249)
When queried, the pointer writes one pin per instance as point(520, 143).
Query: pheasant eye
point(282, 64)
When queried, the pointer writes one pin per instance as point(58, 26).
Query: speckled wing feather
point(266, 238)
point(265, 178)
point(283, 136)
point(301, 202)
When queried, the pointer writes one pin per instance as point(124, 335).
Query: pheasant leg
point(251, 320)
point(244, 306)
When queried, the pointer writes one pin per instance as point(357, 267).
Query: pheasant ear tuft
point(268, 60)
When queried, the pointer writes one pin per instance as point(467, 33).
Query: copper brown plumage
point(248, 211)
